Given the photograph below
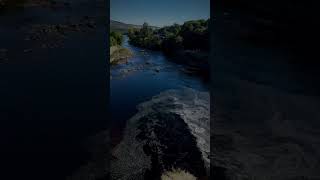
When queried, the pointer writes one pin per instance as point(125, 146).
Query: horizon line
point(155, 25)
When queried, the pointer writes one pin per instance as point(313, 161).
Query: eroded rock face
point(169, 131)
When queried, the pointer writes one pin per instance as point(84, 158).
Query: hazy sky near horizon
point(158, 12)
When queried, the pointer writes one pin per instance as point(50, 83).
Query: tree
point(195, 34)
point(116, 38)
point(192, 35)
point(146, 30)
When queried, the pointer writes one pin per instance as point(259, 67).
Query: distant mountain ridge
point(123, 27)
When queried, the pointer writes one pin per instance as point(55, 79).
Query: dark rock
point(169, 131)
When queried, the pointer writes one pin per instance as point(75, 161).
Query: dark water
point(154, 73)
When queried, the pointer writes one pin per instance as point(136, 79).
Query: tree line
point(192, 35)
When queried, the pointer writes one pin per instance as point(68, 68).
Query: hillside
point(121, 27)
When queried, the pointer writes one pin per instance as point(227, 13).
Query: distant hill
point(123, 27)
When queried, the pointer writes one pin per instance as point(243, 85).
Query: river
point(144, 75)
point(164, 131)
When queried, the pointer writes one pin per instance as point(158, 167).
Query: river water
point(144, 75)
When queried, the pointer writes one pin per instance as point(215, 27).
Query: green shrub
point(192, 35)
point(116, 38)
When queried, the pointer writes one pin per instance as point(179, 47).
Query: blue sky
point(159, 12)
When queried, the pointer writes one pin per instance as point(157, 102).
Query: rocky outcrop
point(169, 131)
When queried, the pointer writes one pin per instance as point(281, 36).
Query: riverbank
point(119, 54)
point(186, 44)
point(195, 62)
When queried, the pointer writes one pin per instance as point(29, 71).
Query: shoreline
point(195, 62)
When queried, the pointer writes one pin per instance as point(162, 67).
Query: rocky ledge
point(171, 131)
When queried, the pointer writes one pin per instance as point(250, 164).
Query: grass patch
point(118, 53)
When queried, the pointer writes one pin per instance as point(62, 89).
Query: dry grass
point(177, 174)
point(118, 53)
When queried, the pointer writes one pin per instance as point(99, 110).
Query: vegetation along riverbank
point(187, 43)
point(117, 52)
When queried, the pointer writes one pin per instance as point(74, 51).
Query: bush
point(145, 37)
point(116, 38)
point(195, 34)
